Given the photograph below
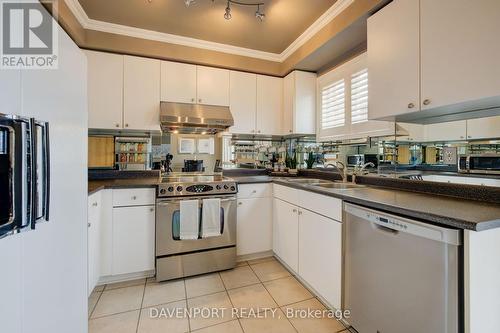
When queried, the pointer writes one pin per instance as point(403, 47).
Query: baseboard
point(125, 277)
point(252, 256)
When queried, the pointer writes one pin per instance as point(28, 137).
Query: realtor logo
point(29, 35)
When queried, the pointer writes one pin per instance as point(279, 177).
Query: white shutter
point(359, 97)
point(333, 105)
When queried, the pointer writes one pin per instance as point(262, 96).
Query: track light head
point(227, 14)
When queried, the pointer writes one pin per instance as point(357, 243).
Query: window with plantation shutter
point(333, 105)
point(359, 97)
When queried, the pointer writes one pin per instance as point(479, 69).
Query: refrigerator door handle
point(41, 158)
point(33, 174)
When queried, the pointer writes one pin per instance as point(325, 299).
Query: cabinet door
point(269, 104)
point(393, 60)
point(320, 255)
point(141, 99)
point(304, 115)
point(105, 89)
point(483, 128)
point(243, 101)
point(415, 132)
point(454, 130)
point(460, 53)
point(178, 82)
point(133, 239)
point(255, 226)
point(212, 86)
point(93, 241)
point(288, 103)
point(286, 233)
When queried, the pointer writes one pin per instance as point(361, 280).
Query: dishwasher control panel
point(392, 223)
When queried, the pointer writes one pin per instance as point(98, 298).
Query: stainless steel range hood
point(194, 118)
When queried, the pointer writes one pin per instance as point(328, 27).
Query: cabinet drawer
point(286, 193)
point(133, 197)
point(321, 204)
point(247, 191)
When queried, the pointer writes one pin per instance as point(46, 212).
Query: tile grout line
point(186, 302)
point(231, 301)
point(142, 302)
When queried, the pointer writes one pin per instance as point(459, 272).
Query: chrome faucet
point(342, 169)
point(360, 169)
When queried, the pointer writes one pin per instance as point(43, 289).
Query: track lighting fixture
point(227, 13)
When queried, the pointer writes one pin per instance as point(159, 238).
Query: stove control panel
point(192, 189)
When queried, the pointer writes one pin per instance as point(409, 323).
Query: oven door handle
point(173, 201)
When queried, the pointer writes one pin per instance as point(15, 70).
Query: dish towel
point(190, 219)
point(210, 218)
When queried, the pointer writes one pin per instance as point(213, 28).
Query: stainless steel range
point(185, 208)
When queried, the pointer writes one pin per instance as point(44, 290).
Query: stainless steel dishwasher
point(400, 275)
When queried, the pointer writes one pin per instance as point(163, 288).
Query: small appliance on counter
point(133, 153)
point(479, 163)
point(193, 166)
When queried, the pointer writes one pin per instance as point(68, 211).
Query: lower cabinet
point(133, 239)
point(93, 236)
point(286, 233)
point(254, 227)
point(320, 255)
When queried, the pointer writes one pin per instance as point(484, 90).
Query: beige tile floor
point(258, 284)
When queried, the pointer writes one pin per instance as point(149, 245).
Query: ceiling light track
point(227, 13)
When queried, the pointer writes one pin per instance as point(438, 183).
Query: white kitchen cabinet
point(269, 105)
point(483, 128)
point(141, 93)
point(393, 60)
point(320, 255)
point(133, 239)
point(212, 86)
point(247, 191)
point(178, 82)
point(460, 53)
point(243, 101)
point(299, 103)
point(105, 90)
point(255, 226)
point(93, 239)
point(286, 233)
point(415, 132)
point(453, 130)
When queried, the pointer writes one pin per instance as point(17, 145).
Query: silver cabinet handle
point(427, 101)
point(469, 136)
point(411, 106)
point(94, 204)
point(151, 209)
point(300, 212)
point(258, 131)
point(117, 125)
point(240, 203)
point(89, 225)
point(192, 99)
point(126, 125)
point(134, 197)
point(290, 131)
point(294, 210)
point(254, 191)
point(199, 100)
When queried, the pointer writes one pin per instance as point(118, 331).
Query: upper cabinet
point(423, 56)
point(453, 130)
point(269, 105)
point(184, 83)
point(483, 128)
point(212, 86)
point(243, 101)
point(460, 53)
point(141, 93)
point(299, 103)
point(393, 59)
point(105, 89)
point(178, 82)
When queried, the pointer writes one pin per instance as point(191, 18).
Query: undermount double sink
point(325, 184)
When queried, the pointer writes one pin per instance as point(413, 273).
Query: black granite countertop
point(438, 209)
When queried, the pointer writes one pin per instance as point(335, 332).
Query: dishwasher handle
point(385, 229)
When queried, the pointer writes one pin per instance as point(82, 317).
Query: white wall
point(44, 272)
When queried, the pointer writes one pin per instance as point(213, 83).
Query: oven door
point(168, 227)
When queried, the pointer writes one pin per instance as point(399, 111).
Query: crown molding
point(322, 21)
